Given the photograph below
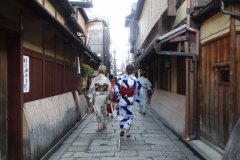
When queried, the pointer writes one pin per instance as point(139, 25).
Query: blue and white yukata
point(98, 94)
point(143, 92)
point(125, 111)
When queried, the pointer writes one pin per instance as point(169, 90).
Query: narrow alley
point(150, 139)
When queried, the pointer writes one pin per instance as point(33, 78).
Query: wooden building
point(219, 70)
point(98, 39)
point(161, 46)
point(39, 54)
point(192, 61)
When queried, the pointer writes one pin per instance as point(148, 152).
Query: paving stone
point(154, 135)
point(150, 140)
point(125, 153)
point(136, 148)
point(68, 154)
point(124, 158)
point(161, 154)
point(83, 154)
point(131, 142)
point(154, 139)
point(77, 149)
point(81, 159)
point(165, 148)
point(154, 131)
point(157, 158)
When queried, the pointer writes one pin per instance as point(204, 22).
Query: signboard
point(78, 63)
point(26, 81)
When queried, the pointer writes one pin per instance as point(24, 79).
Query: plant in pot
point(86, 70)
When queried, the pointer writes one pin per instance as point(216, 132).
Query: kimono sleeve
point(137, 91)
point(117, 89)
point(91, 90)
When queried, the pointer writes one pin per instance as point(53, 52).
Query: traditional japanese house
point(39, 53)
point(219, 69)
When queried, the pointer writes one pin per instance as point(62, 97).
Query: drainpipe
point(226, 12)
point(187, 102)
point(195, 111)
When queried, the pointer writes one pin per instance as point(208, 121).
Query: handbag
point(150, 92)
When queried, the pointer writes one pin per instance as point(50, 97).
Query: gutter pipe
point(195, 111)
point(226, 12)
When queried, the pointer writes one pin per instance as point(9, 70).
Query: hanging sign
point(26, 81)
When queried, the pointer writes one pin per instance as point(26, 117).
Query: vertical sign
point(26, 81)
point(78, 62)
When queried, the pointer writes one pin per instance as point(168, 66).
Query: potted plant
point(86, 70)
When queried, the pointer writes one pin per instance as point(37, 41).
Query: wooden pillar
point(232, 72)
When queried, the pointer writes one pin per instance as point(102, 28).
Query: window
point(224, 76)
point(164, 74)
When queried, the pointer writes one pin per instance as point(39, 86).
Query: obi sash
point(127, 91)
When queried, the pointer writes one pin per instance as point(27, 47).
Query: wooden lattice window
point(224, 76)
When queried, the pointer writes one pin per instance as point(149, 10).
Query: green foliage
point(86, 70)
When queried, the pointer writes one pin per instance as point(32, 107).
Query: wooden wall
point(151, 12)
point(49, 76)
point(3, 94)
point(171, 107)
point(213, 95)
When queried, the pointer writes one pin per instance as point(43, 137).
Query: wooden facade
point(214, 94)
point(219, 73)
point(209, 81)
point(48, 39)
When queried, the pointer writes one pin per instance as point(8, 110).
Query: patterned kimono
point(143, 92)
point(98, 92)
point(127, 91)
point(110, 104)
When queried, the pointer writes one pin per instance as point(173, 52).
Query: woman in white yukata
point(127, 92)
point(98, 94)
point(146, 84)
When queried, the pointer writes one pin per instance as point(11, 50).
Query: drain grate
point(103, 145)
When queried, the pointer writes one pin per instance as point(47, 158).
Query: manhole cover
point(101, 144)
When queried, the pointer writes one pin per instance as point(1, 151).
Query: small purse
point(150, 92)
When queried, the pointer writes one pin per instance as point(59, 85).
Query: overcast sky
point(116, 11)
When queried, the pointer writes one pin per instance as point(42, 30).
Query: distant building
point(98, 39)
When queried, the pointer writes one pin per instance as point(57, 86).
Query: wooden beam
point(175, 53)
point(221, 64)
point(178, 39)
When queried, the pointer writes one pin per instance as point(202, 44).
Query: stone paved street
point(150, 140)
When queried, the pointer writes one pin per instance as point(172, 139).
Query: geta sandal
point(104, 125)
point(99, 129)
point(122, 133)
point(128, 135)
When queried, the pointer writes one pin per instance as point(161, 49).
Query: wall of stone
point(171, 107)
point(45, 122)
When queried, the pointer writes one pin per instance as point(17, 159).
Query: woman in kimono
point(98, 96)
point(110, 103)
point(127, 92)
point(146, 84)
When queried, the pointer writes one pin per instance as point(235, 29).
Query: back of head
point(102, 69)
point(110, 76)
point(129, 69)
point(143, 73)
